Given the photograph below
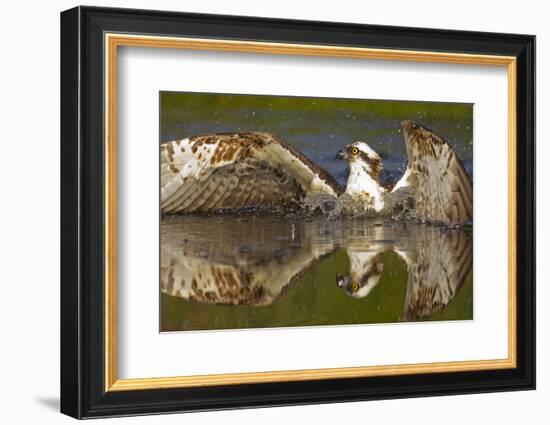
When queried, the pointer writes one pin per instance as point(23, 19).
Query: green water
point(232, 272)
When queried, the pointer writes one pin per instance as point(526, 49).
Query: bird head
point(361, 153)
point(359, 283)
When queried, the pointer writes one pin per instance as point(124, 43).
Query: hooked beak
point(340, 155)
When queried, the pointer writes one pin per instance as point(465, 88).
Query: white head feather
point(363, 184)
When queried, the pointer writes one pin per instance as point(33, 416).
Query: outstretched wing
point(443, 188)
point(237, 170)
point(438, 263)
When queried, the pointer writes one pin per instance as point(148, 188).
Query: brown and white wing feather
point(443, 188)
point(236, 170)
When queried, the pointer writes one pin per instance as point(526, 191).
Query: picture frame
point(90, 40)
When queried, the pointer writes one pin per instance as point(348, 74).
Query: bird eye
point(354, 151)
point(355, 287)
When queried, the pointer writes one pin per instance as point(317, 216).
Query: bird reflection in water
point(252, 261)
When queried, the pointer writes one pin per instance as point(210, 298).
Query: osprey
point(435, 179)
point(232, 171)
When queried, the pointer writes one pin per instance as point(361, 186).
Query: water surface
point(230, 272)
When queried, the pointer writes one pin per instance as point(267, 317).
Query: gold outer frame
point(113, 41)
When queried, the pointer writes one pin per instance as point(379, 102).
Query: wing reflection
point(237, 261)
point(255, 260)
point(438, 264)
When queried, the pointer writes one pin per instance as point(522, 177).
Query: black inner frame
point(82, 212)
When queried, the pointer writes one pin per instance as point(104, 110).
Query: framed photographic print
point(261, 212)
